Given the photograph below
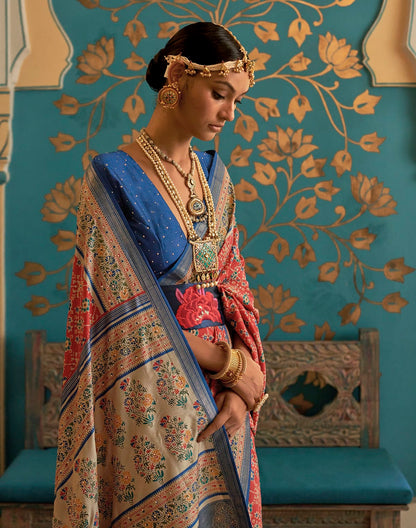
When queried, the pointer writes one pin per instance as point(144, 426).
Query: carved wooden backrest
point(343, 364)
point(43, 365)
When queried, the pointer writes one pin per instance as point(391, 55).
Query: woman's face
point(208, 102)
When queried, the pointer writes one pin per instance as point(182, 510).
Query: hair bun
point(155, 74)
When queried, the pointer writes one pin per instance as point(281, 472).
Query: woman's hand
point(231, 413)
point(251, 385)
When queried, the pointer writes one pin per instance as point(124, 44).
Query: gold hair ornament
point(223, 68)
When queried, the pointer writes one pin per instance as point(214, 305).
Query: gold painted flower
point(273, 299)
point(95, 60)
point(62, 200)
point(339, 54)
point(373, 194)
point(286, 144)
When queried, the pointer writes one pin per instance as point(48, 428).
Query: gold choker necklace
point(204, 251)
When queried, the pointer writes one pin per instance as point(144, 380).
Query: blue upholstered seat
point(335, 475)
point(30, 477)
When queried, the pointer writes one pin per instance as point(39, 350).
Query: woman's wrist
point(234, 367)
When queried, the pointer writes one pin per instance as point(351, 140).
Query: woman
point(164, 373)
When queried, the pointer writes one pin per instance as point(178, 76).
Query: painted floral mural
point(294, 151)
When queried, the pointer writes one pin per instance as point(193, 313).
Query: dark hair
point(203, 42)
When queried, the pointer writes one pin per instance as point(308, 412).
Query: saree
point(134, 397)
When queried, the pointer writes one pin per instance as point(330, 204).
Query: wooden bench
point(327, 470)
point(27, 485)
point(320, 471)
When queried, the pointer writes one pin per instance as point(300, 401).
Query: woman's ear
point(176, 72)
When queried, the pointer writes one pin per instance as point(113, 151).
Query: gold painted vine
point(290, 169)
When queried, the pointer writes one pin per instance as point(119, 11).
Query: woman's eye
point(217, 95)
point(239, 102)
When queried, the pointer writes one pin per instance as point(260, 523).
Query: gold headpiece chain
point(223, 68)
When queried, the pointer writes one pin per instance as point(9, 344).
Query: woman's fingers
point(231, 413)
point(216, 424)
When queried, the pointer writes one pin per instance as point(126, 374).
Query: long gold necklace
point(195, 206)
point(204, 251)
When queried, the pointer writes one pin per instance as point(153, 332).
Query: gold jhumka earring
point(169, 96)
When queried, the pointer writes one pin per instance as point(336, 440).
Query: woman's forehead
point(237, 83)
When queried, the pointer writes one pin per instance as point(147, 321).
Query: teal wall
point(306, 303)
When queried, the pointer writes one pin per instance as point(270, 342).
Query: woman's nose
point(228, 112)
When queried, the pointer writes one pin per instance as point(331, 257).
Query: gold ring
point(260, 402)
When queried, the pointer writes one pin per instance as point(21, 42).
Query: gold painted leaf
point(135, 31)
point(259, 58)
point(267, 107)
point(312, 168)
point(134, 106)
point(342, 161)
point(168, 29)
point(304, 254)
point(33, 273)
point(134, 62)
point(63, 142)
point(245, 191)
point(67, 105)
point(371, 142)
point(90, 4)
point(265, 173)
point(328, 272)
point(350, 314)
point(89, 79)
point(362, 238)
point(324, 332)
point(129, 138)
point(291, 324)
point(396, 269)
point(239, 156)
point(394, 303)
point(279, 248)
point(38, 305)
point(298, 106)
point(306, 208)
point(64, 240)
point(254, 266)
point(299, 62)
point(325, 190)
point(302, 405)
point(266, 31)
point(344, 3)
point(265, 297)
point(365, 103)
point(286, 302)
point(298, 30)
point(246, 126)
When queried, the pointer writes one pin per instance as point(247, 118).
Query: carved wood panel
point(339, 422)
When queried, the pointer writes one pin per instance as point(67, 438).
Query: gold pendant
point(196, 207)
point(205, 255)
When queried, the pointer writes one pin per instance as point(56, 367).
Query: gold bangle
point(261, 402)
point(234, 368)
point(227, 349)
point(239, 372)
